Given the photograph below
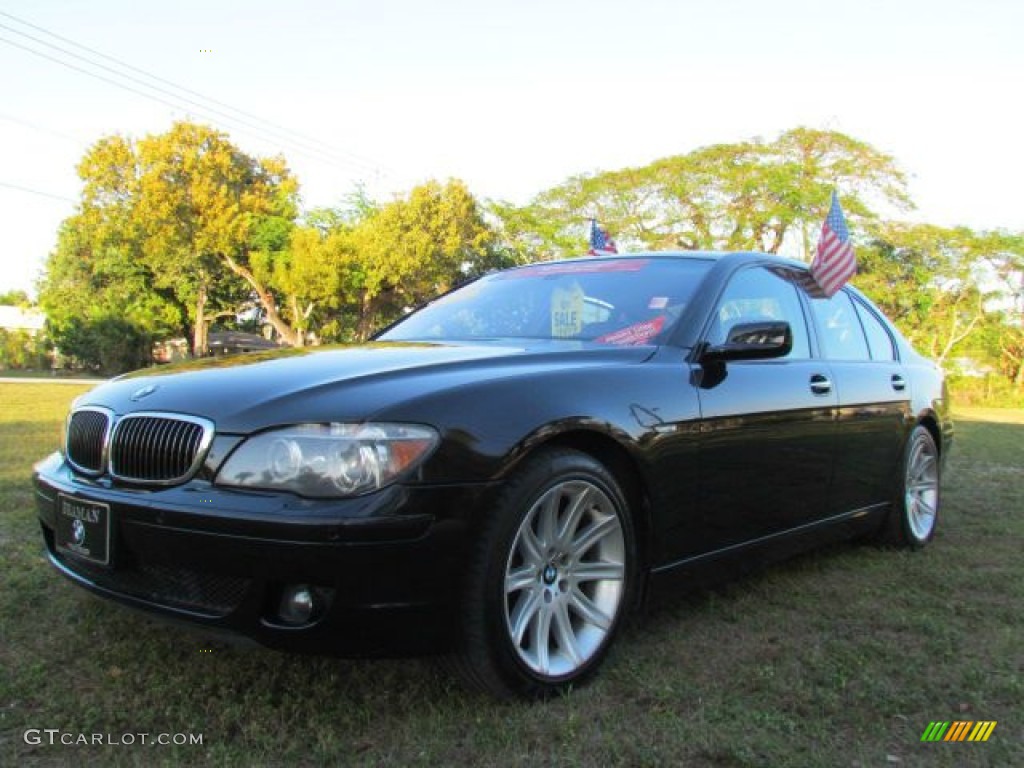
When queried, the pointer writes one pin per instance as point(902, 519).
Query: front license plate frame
point(83, 529)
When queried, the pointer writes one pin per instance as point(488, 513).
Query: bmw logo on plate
point(78, 532)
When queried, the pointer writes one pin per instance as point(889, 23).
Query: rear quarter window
point(880, 343)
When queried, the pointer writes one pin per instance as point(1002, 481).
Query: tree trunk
point(200, 337)
point(779, 232)
point(301, 331)
point(365, 324)
point(955, 338)
point(289, 335)
point(1016, 365)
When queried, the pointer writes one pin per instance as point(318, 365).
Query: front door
point(768, 428)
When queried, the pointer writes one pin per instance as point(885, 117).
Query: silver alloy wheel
point(921, 486)
point(564, 578)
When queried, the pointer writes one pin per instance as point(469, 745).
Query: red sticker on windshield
point(582, 268)
point(640, 333)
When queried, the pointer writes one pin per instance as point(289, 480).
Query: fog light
point(298, 605)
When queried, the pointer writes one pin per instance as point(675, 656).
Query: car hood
point(257, 390)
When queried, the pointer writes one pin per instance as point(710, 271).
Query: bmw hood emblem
point(145, 391)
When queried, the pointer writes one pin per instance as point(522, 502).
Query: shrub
point(20, 350)
point(991, 390)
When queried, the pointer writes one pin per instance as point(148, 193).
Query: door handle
point(820, 385)
point(898, 382)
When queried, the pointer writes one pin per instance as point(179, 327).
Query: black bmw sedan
point(504, 473)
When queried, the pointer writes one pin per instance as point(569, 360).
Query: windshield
point(609, 301)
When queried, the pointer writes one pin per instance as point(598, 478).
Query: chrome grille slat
point(170, 445)
point(151, 464)
point(180, 442)
point(158, 448)
point(123, 449)
point(161, 456)
point(176, 440)
point(86, 439)
point(187, 442)
point(148, 457)
point(147, 448)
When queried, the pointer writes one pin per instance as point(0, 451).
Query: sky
point(511, 96)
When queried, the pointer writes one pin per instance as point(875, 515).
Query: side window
point(841, 334)
point(757, 294)
point(879, 340)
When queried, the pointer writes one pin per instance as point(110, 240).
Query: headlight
point(325, 460)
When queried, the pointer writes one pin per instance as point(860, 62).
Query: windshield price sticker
point(581, 268)
point(567, 311)
point(640, 333)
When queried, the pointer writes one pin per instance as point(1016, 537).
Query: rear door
point(874, 401)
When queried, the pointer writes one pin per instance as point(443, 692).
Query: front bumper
point(386, 568)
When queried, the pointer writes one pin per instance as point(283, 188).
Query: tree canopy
point(16, 298)
point(752, 195)
point(165, 225)
point(179, 230)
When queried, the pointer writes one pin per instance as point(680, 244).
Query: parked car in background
point(504, 473)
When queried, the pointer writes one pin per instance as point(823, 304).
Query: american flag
point(600, 243)
point(834, 262)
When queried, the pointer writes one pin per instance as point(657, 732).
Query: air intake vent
point(87, 439)
point(158, 448)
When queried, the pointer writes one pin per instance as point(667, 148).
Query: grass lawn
point(839, 658)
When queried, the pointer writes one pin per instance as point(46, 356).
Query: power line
point(43, 128)
point(87, 72)
point(152, 97)
point(156, 88)
point(183, 89)
point(300, 146)
point(20, 188)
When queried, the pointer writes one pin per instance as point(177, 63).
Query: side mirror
point(753, 341)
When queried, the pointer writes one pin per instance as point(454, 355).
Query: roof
point(716, 256)
point(719, 256)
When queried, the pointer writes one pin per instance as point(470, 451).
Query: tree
point(1011, 355)
point(22, 349)
point(941, 285)
point(162, 240)
point(412, 249)
point(98, 296)
point(1004, 258)
point(16, 298)
point(314, 274)
point(200, 200)
point(749, 195)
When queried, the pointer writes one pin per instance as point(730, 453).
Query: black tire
point(914, 515)
point(552, 577)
